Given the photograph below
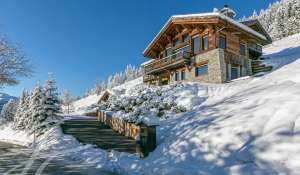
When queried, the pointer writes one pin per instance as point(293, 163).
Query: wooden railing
point(255, 47)
point(167, 61)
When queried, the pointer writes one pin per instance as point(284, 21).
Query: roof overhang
point(212, 18)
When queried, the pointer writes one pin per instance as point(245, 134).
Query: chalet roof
point(205, 15)
point(255, 22)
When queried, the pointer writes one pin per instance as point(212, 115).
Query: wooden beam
point(178, 29)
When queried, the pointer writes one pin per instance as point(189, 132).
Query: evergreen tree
point(21, 113)
point(9, 110)
point(35, 107)
point(48, 115)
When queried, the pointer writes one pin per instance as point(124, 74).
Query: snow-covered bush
point(152, 102)
point(8, 111)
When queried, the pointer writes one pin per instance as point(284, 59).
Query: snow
point(89, 104)
point(7, 134)
point(282, 52)
point(248, 126)
point(129, 84)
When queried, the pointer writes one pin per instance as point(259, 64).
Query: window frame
point(182, 77)
point(205, 38)
point(225, 42)
point(243, 44)
point(199, 67)
point(176, 78)
point(193, 44)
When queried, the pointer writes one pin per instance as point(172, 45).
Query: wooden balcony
point(169, 62)
point(147, 78)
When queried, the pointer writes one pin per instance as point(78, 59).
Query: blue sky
point(80, 41)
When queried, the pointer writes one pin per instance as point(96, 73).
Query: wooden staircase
point(259, 67)
point(90, 131)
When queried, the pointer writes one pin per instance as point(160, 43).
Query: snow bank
point(86, 104)
point(249, 126)
point(7, 134)
point(128, 85)
point(282, 52)
point(58, 144)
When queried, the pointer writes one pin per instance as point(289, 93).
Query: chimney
point(228, 12)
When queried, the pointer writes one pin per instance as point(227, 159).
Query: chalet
point(206, 47)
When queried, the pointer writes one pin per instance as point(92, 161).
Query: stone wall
point(218, 63)
point(128, 129)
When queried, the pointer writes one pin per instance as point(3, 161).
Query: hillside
point(245, 127)
point(249, 126)
point(280, 19)
point(4, 98)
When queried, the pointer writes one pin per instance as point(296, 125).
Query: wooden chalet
point(208, 47)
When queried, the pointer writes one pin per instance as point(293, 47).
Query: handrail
point(174, 56)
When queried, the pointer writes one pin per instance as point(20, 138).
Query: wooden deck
point(90, 131)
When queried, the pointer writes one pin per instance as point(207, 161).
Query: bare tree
point(67, 99)
point(13, 64)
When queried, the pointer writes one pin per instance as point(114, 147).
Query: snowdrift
point(250, 126)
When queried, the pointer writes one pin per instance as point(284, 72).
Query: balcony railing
point(171, 60)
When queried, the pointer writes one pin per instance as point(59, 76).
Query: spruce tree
point(49, 104)
point(35, 107)
point(8, 111)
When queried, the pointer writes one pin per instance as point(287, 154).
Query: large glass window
point(205, 42)
point(183, 75)
point(168, 51)
point(242, 49)
point(201, 70)
point(176, 76)
point(195, 43)
point(222, 42)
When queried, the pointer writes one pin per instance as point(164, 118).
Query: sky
point(81, 41)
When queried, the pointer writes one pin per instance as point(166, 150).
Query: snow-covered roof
point(205, 15)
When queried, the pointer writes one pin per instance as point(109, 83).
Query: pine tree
point(9, 110)
point(35, 107)
point(21, 113)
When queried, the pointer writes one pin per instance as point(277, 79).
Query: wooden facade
point(185, 37)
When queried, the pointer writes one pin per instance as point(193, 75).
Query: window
point(242, 49)
point(234, 73)
point(168, 51)
point(222, 42)
point(186, 38)
point(195, 43)
point(201, 70)
point(204, 42)
point(176, 76)
point(183, 75)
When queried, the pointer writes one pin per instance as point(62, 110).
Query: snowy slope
point(283, 52)
point(4, 98)
point(249, 126)
point(88, 103)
